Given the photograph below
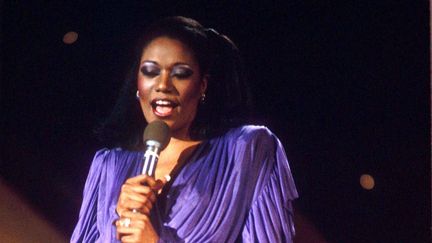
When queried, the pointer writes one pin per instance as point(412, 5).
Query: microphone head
point(157, 131)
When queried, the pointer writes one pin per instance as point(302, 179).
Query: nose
point(164, 82)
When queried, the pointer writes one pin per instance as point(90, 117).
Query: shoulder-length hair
point(227, 97)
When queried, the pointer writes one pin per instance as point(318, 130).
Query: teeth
point(163, 102)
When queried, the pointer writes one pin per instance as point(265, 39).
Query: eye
point(181, 72)
point(150, 70)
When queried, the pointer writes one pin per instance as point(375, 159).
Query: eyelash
point(149, 73)
point(183, 74)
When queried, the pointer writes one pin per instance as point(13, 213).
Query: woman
point(229, 183)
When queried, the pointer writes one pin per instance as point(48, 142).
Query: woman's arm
point(86, 229)
point(270, 218)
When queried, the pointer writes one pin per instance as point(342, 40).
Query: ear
point(204, 83)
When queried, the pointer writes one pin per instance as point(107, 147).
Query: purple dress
point(235, 188)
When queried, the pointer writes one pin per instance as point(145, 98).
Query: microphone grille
point(157, 131)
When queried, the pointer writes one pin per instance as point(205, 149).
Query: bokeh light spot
point(367, 182)
point(70, 37)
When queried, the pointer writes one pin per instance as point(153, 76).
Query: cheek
point(192, 95)
point(144, 88)
point(192, 90)
point(143, 84)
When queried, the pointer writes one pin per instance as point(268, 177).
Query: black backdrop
point(345, 86)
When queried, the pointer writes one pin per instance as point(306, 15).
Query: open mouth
point(163, 107)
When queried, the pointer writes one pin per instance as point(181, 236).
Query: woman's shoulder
point(109, 153)
point(112, 156)
point(250, 133)
point(113, 166)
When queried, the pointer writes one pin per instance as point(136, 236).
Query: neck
point(176, 142)
point(181, 135)
point(176, 152)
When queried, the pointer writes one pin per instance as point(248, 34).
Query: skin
point(169, 71)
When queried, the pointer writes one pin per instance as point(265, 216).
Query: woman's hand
point(135, 227)
point(138, 193)
point(137, 196)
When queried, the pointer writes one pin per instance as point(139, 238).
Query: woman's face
point(170, 84)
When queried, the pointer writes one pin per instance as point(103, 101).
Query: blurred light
point(34, 228)
point(367, 182)
point(70, 37)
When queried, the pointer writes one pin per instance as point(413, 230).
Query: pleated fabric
point(234, 188)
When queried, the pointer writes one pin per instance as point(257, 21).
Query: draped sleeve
point(270, 218)
point(86, 228)
point(108, 171)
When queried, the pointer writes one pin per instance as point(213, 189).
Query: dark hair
point(227, 97)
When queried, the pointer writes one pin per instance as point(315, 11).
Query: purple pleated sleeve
point(109, 170)
point(270, 218)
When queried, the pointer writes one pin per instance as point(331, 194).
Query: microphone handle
point(150, 158)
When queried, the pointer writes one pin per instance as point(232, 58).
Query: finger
point(133, 238)
point(141, 179)
point(137, 188)
point(126, 196)
point(137, 219)
point(143, 184)
point(142, 208)
point(140, 198)
point(127, 231)
point(128, 202)
point(121, 230)
point(130, 206)
point(123, 222)
point(137, 200)
point(159, 184)
point(137, 193)
point(134, 229)
point(136, 179)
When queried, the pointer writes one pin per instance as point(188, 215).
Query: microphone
point(156, 137)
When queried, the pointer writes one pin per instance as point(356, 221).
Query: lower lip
point(162, 115)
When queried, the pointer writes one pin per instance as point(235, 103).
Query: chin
point(167, 120)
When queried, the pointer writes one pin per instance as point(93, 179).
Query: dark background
point(345, 86)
